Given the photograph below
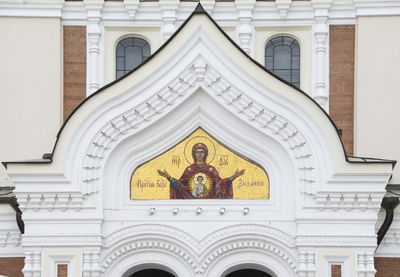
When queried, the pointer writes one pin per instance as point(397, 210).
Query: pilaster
point(245, 30)
point(33, 263)
point(365, 264)
point(93, 30)
point(169, 9)
point(320, 91)
point(91, 263)
point(306, 267)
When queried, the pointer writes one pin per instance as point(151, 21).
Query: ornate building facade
point(269, 108)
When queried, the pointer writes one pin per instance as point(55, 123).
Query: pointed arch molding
point(199, 255)
point(199, 74)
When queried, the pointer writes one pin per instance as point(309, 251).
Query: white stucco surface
point(30, 92)
point(377, 97)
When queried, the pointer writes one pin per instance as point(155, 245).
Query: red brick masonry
point(62, 270)
point(341, 80)
point(12, 267)
point(336, 270)
point(387, 267)
point(74, 67)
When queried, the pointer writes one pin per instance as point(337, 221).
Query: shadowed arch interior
point(248, 273)
point(152, 273)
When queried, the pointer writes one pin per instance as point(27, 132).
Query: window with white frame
point(130, 53)
point(282, 57)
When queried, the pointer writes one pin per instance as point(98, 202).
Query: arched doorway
point(248, 273)
point(152, 273)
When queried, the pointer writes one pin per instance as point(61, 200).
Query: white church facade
point(74, 212)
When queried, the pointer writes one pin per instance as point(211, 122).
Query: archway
point(152, 273)
point(248, 273)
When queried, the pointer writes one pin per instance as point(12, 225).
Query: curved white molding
point(199, 246)
point(153, 229)
point(199, 74)
point(250, 258)
point(152, 244)
point(248, 246)
point(199, 255)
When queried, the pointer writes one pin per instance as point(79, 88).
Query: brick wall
point(387, 267)
point(341, 81)
point(336, 271)
point(62, 270)
point(74, 67)
point(12, 267)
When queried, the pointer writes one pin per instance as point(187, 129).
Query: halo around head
point(199, 139)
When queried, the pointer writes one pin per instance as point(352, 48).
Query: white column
point(321, 55)
point(245, 30)
point(168, 8)
point(93, 31)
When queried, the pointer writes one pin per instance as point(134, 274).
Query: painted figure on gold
point(200, 180)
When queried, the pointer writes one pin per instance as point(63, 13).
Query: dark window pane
point(269, 63)
point(282, 57)
point(295, 62)
point(287, 40)
point(120, 63)
point(120, 50)
point(295, 76)
point(277, 41)
point(295, 49)
point(146, 51)
point(284, 74)
point(139, 42)
point(133, 57)
point(130, 53)
point(269, 51)
point(120, 74)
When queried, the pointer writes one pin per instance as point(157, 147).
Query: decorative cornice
point(62, 240)
point(303, 241)
point(61, 201)
point(360, 201)
point(142, 12)
point(392, 238)
point(10, 238)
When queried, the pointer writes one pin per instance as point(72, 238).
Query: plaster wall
point(377, 93)
point(30, 77)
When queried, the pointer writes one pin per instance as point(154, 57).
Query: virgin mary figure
point(200, 180)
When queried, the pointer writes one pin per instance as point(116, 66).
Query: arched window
point(282, 56)
point(131, 52)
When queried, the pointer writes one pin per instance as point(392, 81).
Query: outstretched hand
point(164, 173)
point(237, 173)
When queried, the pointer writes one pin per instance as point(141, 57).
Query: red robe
point(221, 188)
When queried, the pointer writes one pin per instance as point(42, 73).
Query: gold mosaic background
point(147, 184)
